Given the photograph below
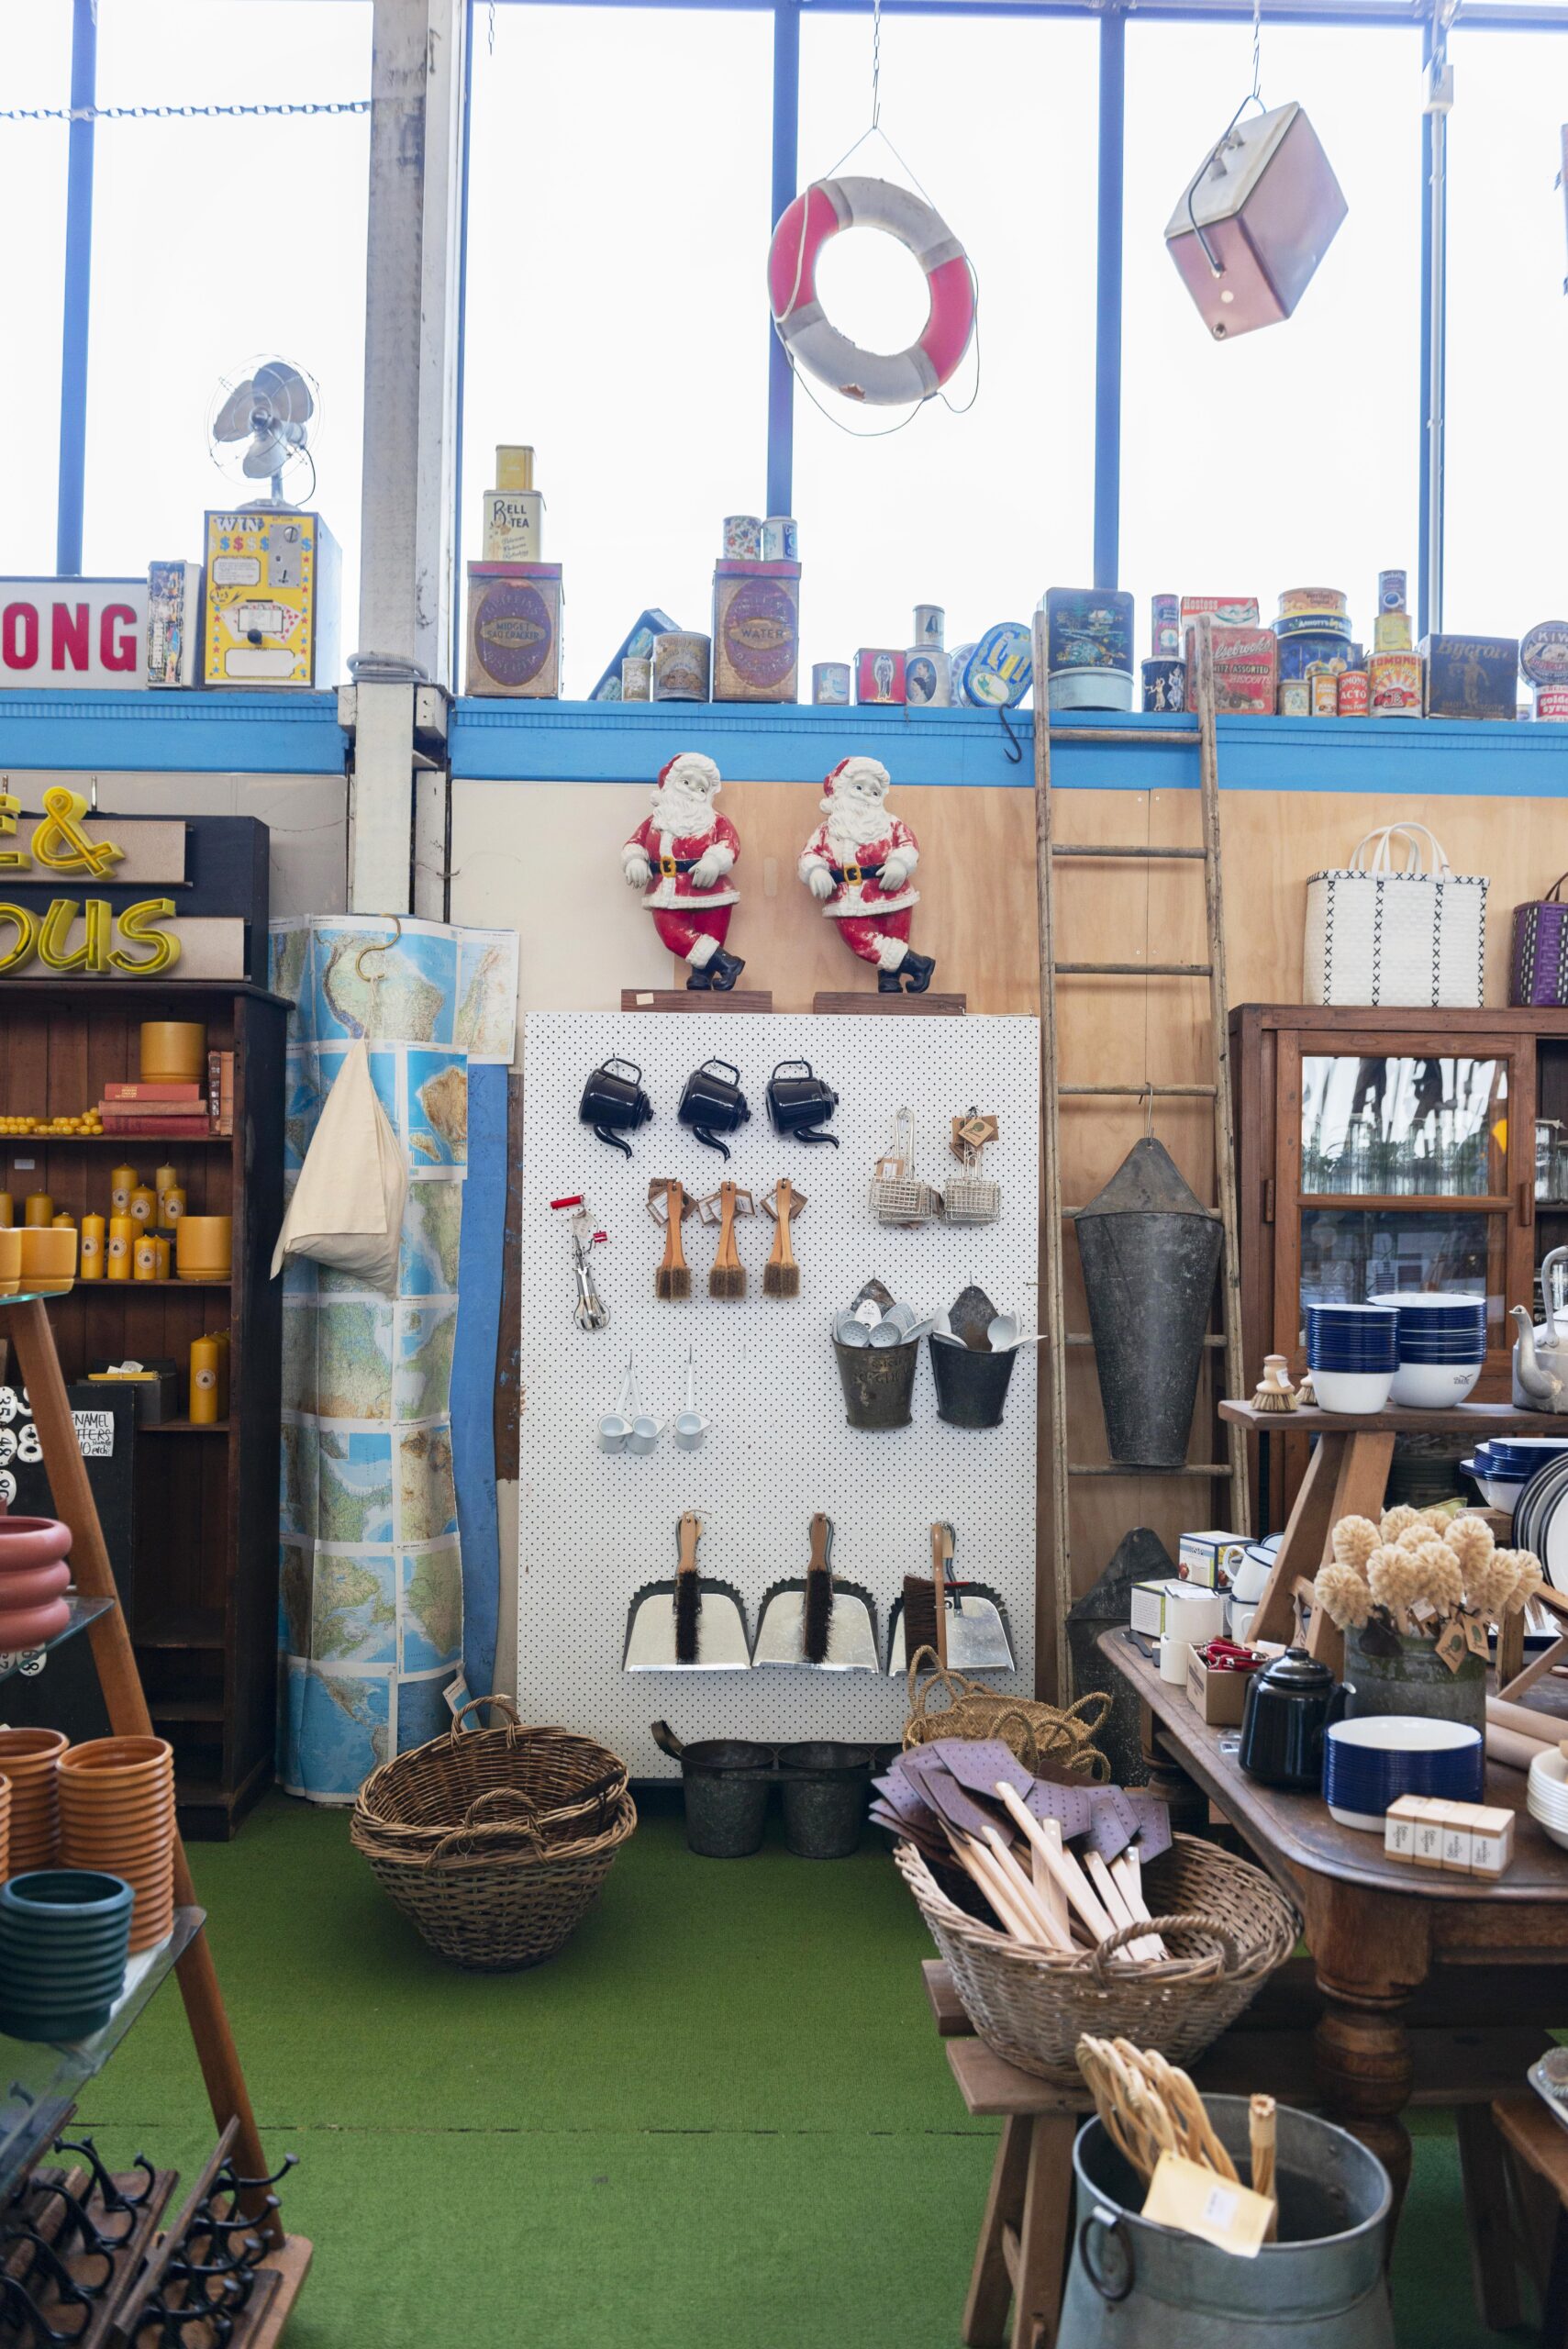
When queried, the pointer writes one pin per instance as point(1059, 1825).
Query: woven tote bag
point(1538, 965)
point(1377, 936)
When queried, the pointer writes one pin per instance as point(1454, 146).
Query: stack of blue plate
point(1529, 1474)
point(1352, 1351)
point(1443, 1347)
point(1367, 1764)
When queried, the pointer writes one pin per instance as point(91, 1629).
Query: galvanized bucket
point(1415, 1680)
point(825, 1791)
point(878, 1382)
point(1134, 2285)
point(972, 1384)
point(726, 1781)
point(1150, 1251)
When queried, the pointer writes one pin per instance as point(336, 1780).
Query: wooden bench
point(1539, 2145)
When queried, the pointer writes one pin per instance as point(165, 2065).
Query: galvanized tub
point(1415, 1680)
point(972, 1384)
point(1149, 1250)
point(825, 1792)
point(726, 1782)
point(878, 1382)
point(1133, 2285)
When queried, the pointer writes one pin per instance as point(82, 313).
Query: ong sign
point(83, 632)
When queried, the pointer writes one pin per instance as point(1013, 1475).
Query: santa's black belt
point(855, 872)
point(670, 865)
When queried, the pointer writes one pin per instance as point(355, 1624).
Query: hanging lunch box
point(897, 1193)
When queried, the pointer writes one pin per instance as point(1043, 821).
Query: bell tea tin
point(1393, 590)
point(830, 683)
point(681, 663)
point(1165, 629)
point(1323, 689)
point(1246, 670)
point(1089, 648)
point(756, 630)
point(781, 539)
point(514, 630)
point(1391, 633)
point(1354, 693)
point(1165, 687)
point(1393, 684)
point(637, 677)
point(1543, 652)
point(1552, 703)
point(1295, 697)
point(1470, 677)
point(879, 674)
point(1232, 611)
point(927, 678)
point(742, 537)
point(514, 526)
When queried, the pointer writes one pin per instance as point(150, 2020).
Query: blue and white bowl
point(1355, 1392)
point(1433, 1386)
point(1367, 1764)
point(1501, 1488)
point(1526, 1452)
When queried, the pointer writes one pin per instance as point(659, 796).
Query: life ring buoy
point(882, 380)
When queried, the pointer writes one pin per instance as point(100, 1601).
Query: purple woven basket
point(1538, 966)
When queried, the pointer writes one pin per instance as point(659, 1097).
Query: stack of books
point(177, 1111)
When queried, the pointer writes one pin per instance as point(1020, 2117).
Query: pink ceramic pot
point(32, 1541)
point(30, 1627)
point(31, 1586)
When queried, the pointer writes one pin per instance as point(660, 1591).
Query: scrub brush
point(673, 1281)
point(728, 1275)
point(780, 1274)
point(817, 1619)
point(924, 1603)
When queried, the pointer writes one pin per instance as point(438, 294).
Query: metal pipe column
point(68, 492)
point(786, 146)
point(1107, 308)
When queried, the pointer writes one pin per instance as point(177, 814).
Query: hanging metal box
point(1470, 676)
point(1246, 671)
point(514, 630)
point(272, 577)
point(1266, 204)
point(756, 630)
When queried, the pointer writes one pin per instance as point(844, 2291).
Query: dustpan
point(974, 1621)
point(850, 1627)
point(706, 1618)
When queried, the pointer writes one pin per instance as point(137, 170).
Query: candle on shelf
point(122, 1183)
point(203, 1382)
point(91, 1251)
point(143, 1206)
point(163, 1182)
point(165, 1257)
point(8, 1212)
point(122, 1232)
point(38, 1211)
point(144, 1256)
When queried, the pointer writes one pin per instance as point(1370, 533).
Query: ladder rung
point(1128, 1468)
point(1133, 1091)
point(1135, 970)
point(1082, 1337)
point(1193, 854)
point(1121, 734)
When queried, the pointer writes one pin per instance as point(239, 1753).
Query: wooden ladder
point(1059, 1338)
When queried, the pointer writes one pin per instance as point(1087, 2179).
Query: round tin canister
point(680, 667)
point(1312, 624)
point(1353, 693)
point(781, 539)
point(830, 681)
point(1391, 632)
point(1295, 698)
point(1393, 590)
point(1089, 689)
point(742, 537)
point(637, 678)
point(930, 626)
point(927, 678)
point(1394, 683)
point(1544, 653)
point(1319, 603)
point(1165, 629)
point(1552, 701)
point(1164, 686)
point(1298, 655)
point(1323, 688)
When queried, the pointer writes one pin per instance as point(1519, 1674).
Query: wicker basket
point(1226, 1924)
point(495, 1905)
point(495, 1781)
point(1044, 1737)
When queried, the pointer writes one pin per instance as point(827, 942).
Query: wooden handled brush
point(728, 1277)
point(817, 1618)
point(669, 1205)
point(780, 1274)
point(924, 1603)
point(688, 1593)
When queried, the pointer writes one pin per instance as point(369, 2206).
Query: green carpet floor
point(721, 2121)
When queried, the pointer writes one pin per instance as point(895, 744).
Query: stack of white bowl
point(1546, 1794)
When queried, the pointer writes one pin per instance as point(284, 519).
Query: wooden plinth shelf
point(696, 999)
point(890, 1006)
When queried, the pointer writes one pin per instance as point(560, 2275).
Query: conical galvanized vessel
point(1150, 1251)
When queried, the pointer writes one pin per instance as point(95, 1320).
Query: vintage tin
point(1164, 686)
point(1315, 602)
point(1000, 670)
point(272, 599)
point(1393, 684)
point(1089, 648)
point(1164, 629)
point(514, 526)
point(1392, 591)
point(681, 663)
point(1233, 611)
point(1295, 697)
point(957, 659)
point(1297, 654)
point(514, 467)
point(830, 683)
point(756, 630)
point(636, 645)
point(781, 539)
point(1391, 632)
point(1470, 677)
point(1354, 693)
point(1543, 652)
point(1254, 221)
point(1312, 624)
point(1323, 694)
point(930, 626)
point(879, 674)
point(1552, 701)
point(1246, 670)
point(928, 677)
point(637, 677)
point(742, 537)
point(514, 630)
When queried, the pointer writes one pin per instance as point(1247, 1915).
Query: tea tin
point(1089, 648)
point(930, 626)
point(1323, 689)
point(879, 674)
point(1299, 654)
point(1295, 697)
point(1246, 670)
point(514, 526)
point(1165, 629)
point(781, 539)
point(1393, 684)
point(927, 678)
point(1314, 603)
point(1234, 611)
point(743, 538)
point(1391, 633)
point(1312, 624)
point(636, 645)
point(1552, 701)
point(1164, 686)
point(756, 630)
point(1393, 590)
point(1470, 677)
point(514, 630)
point(998, 672)
point(831, 683)
point(513, 466)
point(1543, 652)
point(1354, 693)
point(681, 664)
point(637, 678)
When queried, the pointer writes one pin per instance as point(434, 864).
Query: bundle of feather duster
point(1416, 1570)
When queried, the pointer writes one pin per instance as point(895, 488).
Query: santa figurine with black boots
point(682, 857)
point(858, 862)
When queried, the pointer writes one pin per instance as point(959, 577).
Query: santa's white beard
point(686, 815)
point(852, 823)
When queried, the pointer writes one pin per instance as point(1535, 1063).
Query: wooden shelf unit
point(206, 1568)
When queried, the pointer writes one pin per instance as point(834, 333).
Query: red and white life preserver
point(884, 380)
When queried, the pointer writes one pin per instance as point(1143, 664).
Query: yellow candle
point(163, 1182)
point(165, 1257)
point(122, 1183)
point(8, 1212)
point(143, 1206)
point(38, 1211)
point(203, 1382)
point(144, 1256)
point(122, 1232)
point(220, 1340)
point(171, 1205)
point(64, 1222)
point(92, 1233)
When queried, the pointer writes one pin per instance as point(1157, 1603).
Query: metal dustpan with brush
point(689, 1624)
point(971, 1620)
point(820, 1623)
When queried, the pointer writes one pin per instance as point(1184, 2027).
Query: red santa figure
point(681, 856)
point(858, 862)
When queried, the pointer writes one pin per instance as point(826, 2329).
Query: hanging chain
point(875, 63)
point(491, 28)
point(1257, 48)
point(174, 114)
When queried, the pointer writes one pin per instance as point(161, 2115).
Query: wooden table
point(1379, 1931)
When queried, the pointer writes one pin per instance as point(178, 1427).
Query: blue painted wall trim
point(237, 731)
point(473, 1370)
point(627, 743)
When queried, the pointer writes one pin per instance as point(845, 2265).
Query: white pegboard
point(593, 1527)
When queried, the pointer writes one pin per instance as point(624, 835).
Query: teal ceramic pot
point(64, 1934)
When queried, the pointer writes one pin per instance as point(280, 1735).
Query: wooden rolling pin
point(1524, 1721)
point(1514, 1753)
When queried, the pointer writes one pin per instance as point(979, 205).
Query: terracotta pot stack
point(4, 1828)
point(29, 1759)
point(116, 1814)
point(35, 1574)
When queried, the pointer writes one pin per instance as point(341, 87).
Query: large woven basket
point(1044, 1737)
point(1227, 1927)
point(499, 1780)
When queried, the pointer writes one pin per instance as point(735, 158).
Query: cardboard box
point(514, 526)
point(756, 630)
point(1150, 1603)
point(1218, 1697)
point(156, 1388)
point(1470, 676)
point(1246, 671)
point(514, 630)
point(272, 582)
point(1464, 1838)
point(1210, 1560)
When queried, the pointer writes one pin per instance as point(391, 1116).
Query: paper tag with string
point(1195, 2199)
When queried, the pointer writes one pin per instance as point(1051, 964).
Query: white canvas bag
point(1377, 936)
point(347, 1208)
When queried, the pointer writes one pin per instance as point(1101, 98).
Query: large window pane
point(216, 241)
point(35, 71)
point(617, 224)
point(1290, 456)
point(1507, 333)
point(979, 512)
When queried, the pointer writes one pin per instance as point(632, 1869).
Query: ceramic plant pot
point(4, 1828)
point(29, 1759)
point(25, 1586)
point(63, 1937)
point(32, 1541)
point(48, 1261)
point(117, 1811)
point(22, 1628)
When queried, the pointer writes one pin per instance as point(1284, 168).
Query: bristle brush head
point(818, 1617)
point(727, 1281)
point(688, 1599)
point(781, 1280)
point(672, 1284)
point(919, 1615)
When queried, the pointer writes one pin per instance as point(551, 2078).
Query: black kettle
point(713, 1103)
point(614, 1103)
point(798, 1105)
point(1290, 1705)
